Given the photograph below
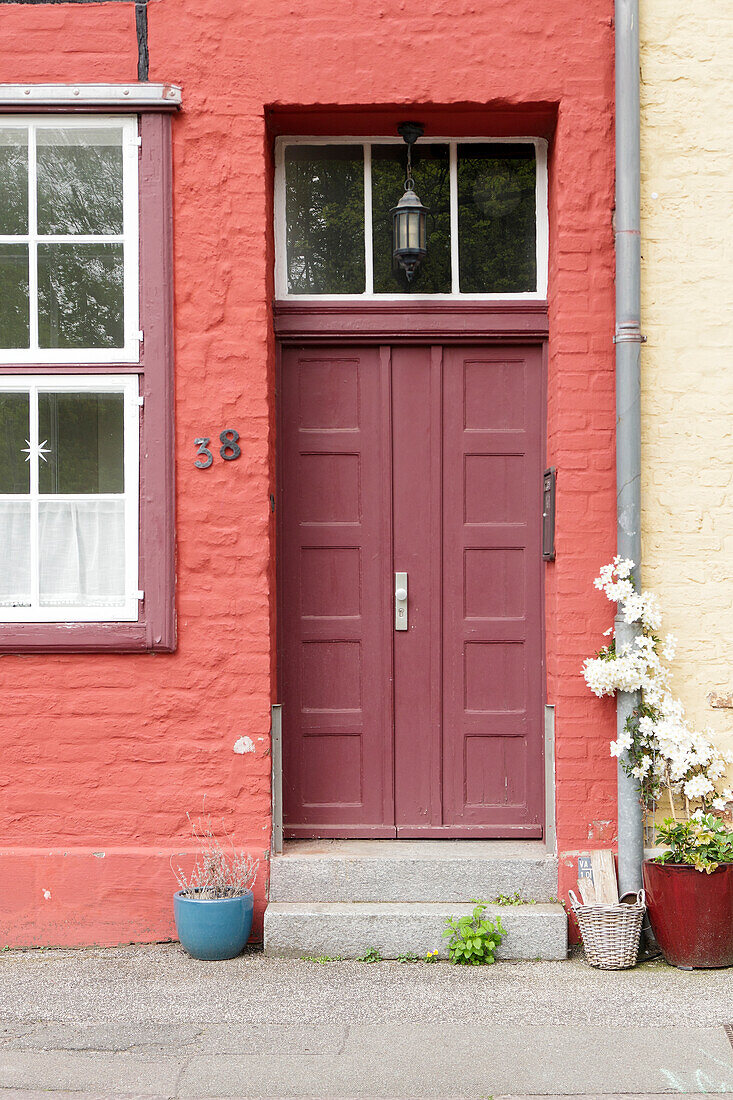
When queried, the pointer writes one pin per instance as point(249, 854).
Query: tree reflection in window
point(79, 180)
point(13, 181)
point(80, 296)
point(324, 201)
point(496, 218)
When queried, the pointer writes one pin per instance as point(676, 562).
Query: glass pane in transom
point(497, 218)
point(14, 296)
point(324, 213)
point(79, 180)
point(14, 443)
point(81, 296)
point(431, 173)
point(83, 435)
point(13, 180)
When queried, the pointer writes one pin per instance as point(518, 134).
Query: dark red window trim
point(155, 631)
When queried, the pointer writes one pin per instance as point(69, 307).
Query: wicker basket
point(611, 932)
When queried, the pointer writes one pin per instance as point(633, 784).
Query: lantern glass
point(401, 229)
point(413, 230)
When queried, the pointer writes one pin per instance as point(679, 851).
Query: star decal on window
point(41, 450)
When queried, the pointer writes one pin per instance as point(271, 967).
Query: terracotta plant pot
point(691, 913)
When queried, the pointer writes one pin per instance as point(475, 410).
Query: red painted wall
point(103, 755)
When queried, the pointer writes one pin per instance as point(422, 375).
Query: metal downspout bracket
point(628, 340)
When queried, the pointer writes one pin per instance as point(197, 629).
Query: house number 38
point(229, 449)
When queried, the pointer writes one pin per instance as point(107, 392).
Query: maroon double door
point(424, 460)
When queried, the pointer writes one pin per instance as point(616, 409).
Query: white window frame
point(80, 383)
point(541, 224)
point(130, 353)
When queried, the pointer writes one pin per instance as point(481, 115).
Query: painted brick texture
point(105, 754)
point(687, 384)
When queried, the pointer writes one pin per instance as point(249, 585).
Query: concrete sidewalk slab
point(23, 1094)
point(480, 1061)
point(404, 1061)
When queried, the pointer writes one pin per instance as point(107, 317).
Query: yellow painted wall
point(687, 364)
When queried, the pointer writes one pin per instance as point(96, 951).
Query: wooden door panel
point(416, 442)
point(425, 460)
point(492, 651)
point(335, 635)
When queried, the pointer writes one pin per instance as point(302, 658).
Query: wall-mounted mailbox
point(548, 514)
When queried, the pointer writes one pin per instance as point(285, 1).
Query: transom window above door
point(68, 239)
point(486, 226)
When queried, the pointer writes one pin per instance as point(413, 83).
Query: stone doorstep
point(413, 870)
point(350, 929)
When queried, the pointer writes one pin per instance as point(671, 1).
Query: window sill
point(83, 638)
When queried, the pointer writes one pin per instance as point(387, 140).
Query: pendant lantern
point(409, 217)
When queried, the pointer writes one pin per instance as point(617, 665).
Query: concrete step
point(412, 870)
point(349, 929)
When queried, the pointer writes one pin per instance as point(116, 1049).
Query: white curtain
point(15, 553)
point(82, 553)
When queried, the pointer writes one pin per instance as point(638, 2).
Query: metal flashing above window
point(138, 97)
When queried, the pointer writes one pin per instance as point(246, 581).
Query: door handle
point(400, 601)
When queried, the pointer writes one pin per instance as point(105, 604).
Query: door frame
point(405, 322)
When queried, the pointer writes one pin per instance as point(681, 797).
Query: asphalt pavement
point(148, 1021)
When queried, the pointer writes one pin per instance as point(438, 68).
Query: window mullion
point(33, 237)
point(130, 246)
point(33, 461)
point(453, 190)
point(368, 250)
point(131, 443)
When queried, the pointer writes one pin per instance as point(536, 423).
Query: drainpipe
point(628, 340)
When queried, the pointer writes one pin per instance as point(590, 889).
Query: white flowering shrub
point(658, 746)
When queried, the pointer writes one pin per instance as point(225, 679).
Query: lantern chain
point(409, 182)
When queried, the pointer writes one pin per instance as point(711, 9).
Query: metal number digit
point(208, 457)
point(229, 443)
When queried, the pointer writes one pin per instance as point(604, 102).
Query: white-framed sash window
point(69, 498)
point(487, 198)
point(69, 239)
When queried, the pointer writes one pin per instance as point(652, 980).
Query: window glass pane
point(496, 218)
point(80, 296)
point(15, 553)
point(13, 181)
point(84, 435)
point(324, 204)
point(79, 180)
point(430, 169)
point(14, 299)
point(81, 553)
point(14, 436)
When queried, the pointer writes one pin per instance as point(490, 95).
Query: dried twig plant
point(217, 873)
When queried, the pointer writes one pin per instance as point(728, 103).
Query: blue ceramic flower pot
point(216, 929)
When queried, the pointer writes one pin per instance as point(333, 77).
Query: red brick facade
point(104, 754)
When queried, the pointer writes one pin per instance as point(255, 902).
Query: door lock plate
point(400, 601)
